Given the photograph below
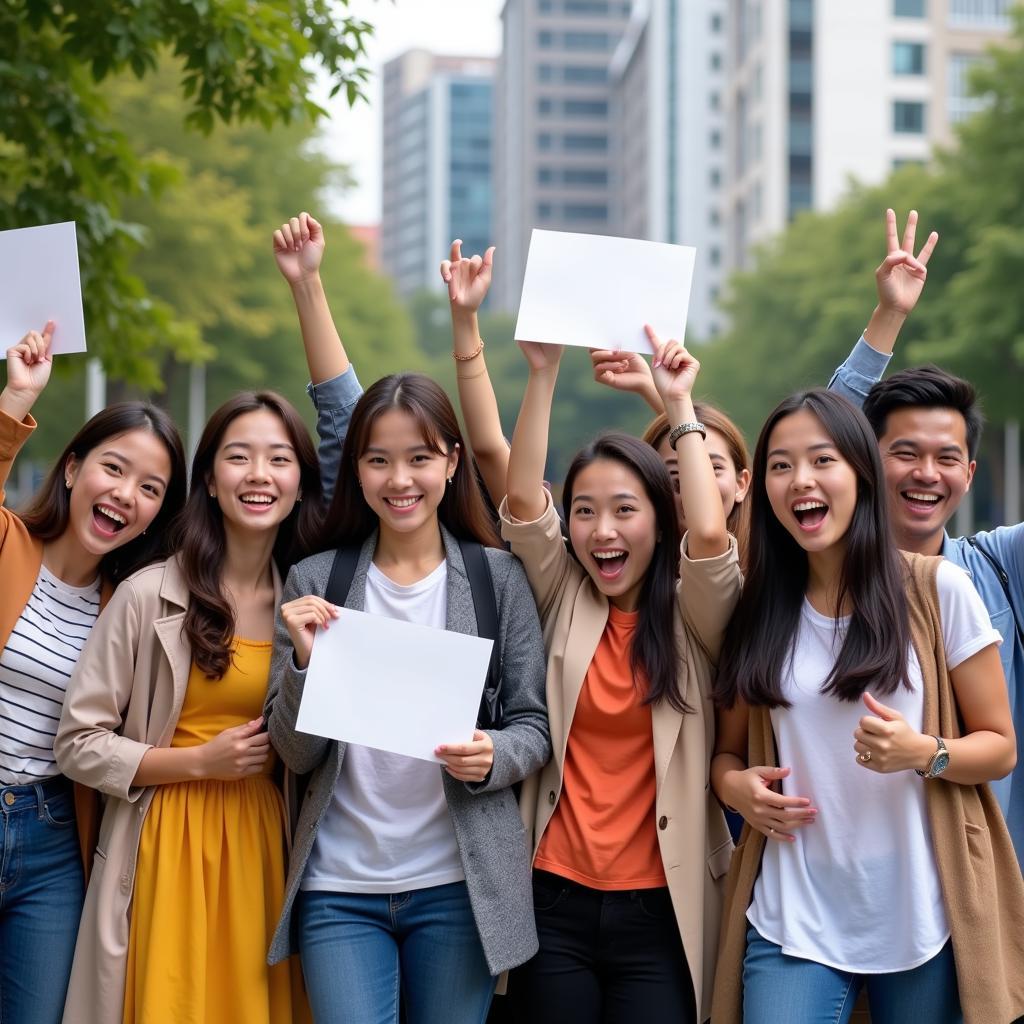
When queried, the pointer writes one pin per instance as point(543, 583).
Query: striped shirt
point(35, 667)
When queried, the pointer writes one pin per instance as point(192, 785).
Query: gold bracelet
point(471, 376)
point(472, 355)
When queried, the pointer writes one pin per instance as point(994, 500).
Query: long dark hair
point(760, 636)
point(47, 513)
point(350, 520)
point(198, 533)
point(653, 653)
point(738, 520)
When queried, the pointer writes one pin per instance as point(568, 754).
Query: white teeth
point(256, 499)
point(402, 502)
point(608, 554)
point(806, 506)
point(111, 514)
point(921, 496)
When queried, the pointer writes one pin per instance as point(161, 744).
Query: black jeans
point(604, 957)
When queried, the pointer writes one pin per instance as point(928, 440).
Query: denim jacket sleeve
point(862, 368)
point(334, 401)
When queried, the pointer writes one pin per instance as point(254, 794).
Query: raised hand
point(540, 356)
point(901, 276)
point(468, 278)
point(298, 248)
point(28, 371)
point(623, 371)
point(673, 368)
point(301, 617)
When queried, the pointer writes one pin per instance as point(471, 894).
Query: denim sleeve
point(334, 401)
point(863, 368)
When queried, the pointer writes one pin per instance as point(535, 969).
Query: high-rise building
point(668, 76)
point(436, 163)
point(823, 92)
point(553, 148)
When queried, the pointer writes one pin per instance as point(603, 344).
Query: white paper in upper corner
point(393, 685)
point(39, 281)
point(596, 291)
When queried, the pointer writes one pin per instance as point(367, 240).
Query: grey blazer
point(490, 836)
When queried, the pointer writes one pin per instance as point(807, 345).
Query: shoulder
point(146, 583)
point(506, 570)
point(1005, 542)
point(314, 570)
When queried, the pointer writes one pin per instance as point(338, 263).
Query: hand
point(468, 762)
point(771, 813)
point(301, 617)
point(236, 753)
point(673, 368)
point(541, 356)
point(623, 371)
point(885, 743)
point(298, 248)
point(29, 363)
point(467, 279)
point(901, 277)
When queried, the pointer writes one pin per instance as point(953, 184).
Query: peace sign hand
point(467, 278)
point(901, 276)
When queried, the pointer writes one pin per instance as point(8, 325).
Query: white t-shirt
point(387, 828)
point(858, 890)
point(35, 667)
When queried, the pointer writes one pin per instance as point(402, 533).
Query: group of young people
point(695, 640)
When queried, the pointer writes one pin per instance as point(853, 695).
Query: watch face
point(940, 764)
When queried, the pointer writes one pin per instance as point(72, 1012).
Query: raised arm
point(468, 280)
point(527, 496)
point(28, 370)
point(899, 279)
point(626, 371)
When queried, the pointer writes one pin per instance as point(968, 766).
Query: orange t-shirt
point(603, 833)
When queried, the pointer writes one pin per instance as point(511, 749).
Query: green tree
point(63, 155)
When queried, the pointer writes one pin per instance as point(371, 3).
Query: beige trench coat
point(692, 834)
point(124, 698)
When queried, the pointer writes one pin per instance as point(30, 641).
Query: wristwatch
point(939, 762)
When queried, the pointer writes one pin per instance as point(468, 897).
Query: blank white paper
point(39, 281)
point(595, 291)
point(393, 685)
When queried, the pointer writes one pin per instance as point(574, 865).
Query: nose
point(803, 476)
point(926, 470)
point(604, 528)
point(258, 470)
point(400, 476)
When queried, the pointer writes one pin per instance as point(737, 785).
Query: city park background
point(178, 134)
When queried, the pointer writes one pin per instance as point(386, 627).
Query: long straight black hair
point(759, 639)
point(653, 655)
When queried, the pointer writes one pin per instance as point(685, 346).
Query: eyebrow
point(247, 446)
point(908, 443)
point(110, 453)
point(622, 495)
point(810, 448)
point(386, 451)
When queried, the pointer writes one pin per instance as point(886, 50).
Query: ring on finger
point(865, 757)
point(771, 831)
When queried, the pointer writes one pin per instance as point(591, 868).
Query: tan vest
point(982, 887)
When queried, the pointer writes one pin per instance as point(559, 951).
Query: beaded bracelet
point(692, 427)
point(472, 355)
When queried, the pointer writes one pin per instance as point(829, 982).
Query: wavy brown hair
point(198, 533)
point(462, 510)
point(738, 520)
point(47, 513)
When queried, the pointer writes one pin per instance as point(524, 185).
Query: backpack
point(481, 584)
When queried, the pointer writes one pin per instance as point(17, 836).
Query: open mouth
point(921, 502)
point(107, 520)
point(405, 503)
point(610, 563)
point(810, 514)
point(257, 502)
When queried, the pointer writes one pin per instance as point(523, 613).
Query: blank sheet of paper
point(595, 291)
point(39, 281)
point(393, 685)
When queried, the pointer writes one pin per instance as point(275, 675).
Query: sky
point(353, 135)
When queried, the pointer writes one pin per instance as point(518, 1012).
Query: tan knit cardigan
point(982, 887)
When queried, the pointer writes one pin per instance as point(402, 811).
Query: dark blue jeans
point(359, 951)
point(41, 893)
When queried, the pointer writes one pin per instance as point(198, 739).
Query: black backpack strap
point(485, 606)
point(1004, 582)
point(343, 570)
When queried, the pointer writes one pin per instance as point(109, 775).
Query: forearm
point(725, 766)
point(707, 535)
point(17, 404)
point(650, 395)
point(161, 766)
point(325, 353)
point(982, 756)
point(883, 329)
point(526, 495)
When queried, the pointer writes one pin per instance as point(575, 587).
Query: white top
point(387, 828)
point(35, 667)
point(859, 889)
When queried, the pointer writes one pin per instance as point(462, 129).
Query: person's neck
point(409, 556)
point(824, 573)
point(65, 557)
point(930, 545)
point(247, 559)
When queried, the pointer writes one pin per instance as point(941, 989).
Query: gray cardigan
point(490, 836)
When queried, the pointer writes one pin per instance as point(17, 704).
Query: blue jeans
point(41, 893)
point(360, 950)
point(778, 987)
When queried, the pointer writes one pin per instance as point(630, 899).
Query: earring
point(450, 479)
point(67, 483)
point(213, 494)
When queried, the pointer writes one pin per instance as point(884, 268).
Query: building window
point(714, 101)
point(545, 6)
point(715, 177)
point(714, 217)
point(716, 23)
point(585, 211)
point(714, 256)
point(585, 108)
point(544, 106)
point(545, 72)
point(545, 40)
point(715, 139)
point(586, 6)
point(906, 162)
point(960, 102)
point(908, 117)
point(801, 14)
point(593, 41)
point(584, 176)
point(908, 58)
point(980, 13)
point(716, 61)
point(545, 175)
point(908, 8)
point(544, 211)
point(544, 141)
point(583, 75)
point(585, 143)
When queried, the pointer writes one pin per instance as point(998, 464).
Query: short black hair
point(930, 388)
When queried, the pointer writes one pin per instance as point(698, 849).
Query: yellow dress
point(209, 881)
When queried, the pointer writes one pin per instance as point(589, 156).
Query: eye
point(950, 460)
point(421, 458)
point(375, 460)
point(582, 510)
point(777, 465)
point(625, 510)
point(236, 457)
point(905, 455)
point(281, 460)
point(152, 489)
point(113, 467)
point(823, 460)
